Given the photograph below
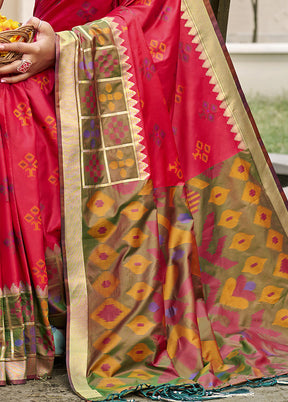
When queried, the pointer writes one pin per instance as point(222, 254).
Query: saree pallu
point(31, 284)
point(174, 229)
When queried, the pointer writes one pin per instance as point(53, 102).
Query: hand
point(40, 53)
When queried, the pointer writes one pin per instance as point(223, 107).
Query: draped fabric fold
point(174, 229)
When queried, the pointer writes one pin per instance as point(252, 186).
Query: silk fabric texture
point(175, 228)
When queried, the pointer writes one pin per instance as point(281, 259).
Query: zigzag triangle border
point(131, 102)
point(196, 39)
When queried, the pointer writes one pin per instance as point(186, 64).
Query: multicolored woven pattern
point(175, 232)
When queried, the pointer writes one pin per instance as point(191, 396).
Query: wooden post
point(221, 11)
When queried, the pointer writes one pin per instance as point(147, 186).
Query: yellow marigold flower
point(7, 24)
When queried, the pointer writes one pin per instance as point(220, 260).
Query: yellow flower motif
point(140, 291)
point(103, 256)
point(106, 342)
point(135, 237)
point(109, 97)
point(106, 283)
point(137, 264)
point(121, 163)
point(106, 366)
point(281, 268)
point(271, 294)
point(134, 211)
point(229, 218)
point(140, 325)
point(140, 352)
point(251, 193)
point(263, 217)
point(281, 318)
point(254, 265)
point(241, 241)
point(218, 195)
point(274, 240)
point(240, 169)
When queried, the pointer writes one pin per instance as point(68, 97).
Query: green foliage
point(271, 116)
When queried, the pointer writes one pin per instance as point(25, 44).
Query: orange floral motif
point(106, 283)
point(274, 240)
point(103, 256)
point(54, 177)
point(139, 352)
point(121, 163)
point(138, 264)
point(140, 291)
point(229, 218)
point(202, 151)
point(271, 294)
point(281, 318)
point(39, 271)
point(140, 325)
point(51, 126)
point(109, 97)
point(99, 204)
point(281, 268)
point(176, 167)
point(42, 81)
point(134, 211)
point(106, 366)
point(263, 217)
point(218, 195)
point(106, 342)
point(141, 374)
point(23, 113)
point(34, 218)
point(135, 237)
point(29, 164)
point(144, 2)
point(240, 169)
point(110, 313)
point(254, 265)
point(241, 241)
point(102, 34)
point(157, 49)
point(102, 230)
point(251, 193)
point(179, 94)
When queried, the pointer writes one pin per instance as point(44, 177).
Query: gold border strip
point(210, 51)
point(131, 104)
point(77, 287)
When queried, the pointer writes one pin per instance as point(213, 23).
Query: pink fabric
point(63, 15)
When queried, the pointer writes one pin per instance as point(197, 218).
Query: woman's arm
point(40, 53)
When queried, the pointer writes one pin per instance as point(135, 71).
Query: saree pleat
point(30, 257)
point(175, 231)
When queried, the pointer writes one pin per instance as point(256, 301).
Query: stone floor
point(58, 389)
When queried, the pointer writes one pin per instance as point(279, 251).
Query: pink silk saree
point(174, 228)
point(31, 284)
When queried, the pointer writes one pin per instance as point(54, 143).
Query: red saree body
point(31, 281)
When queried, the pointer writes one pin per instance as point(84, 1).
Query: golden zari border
point(197, 19)
point(78, 303)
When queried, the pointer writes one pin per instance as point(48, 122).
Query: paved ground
point(58, 389)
